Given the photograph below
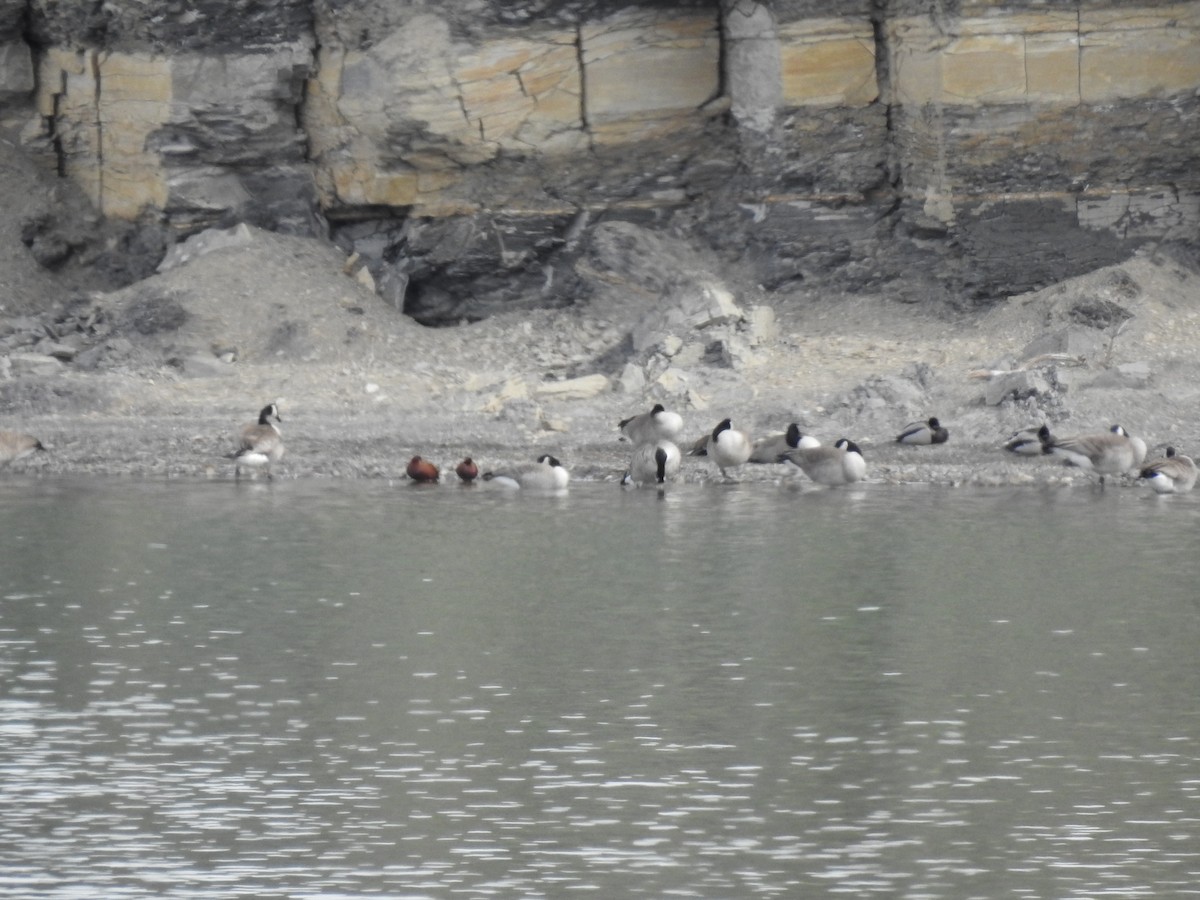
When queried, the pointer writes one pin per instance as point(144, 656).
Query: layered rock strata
point(466, 149)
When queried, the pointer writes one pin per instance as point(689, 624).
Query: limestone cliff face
point(465, 148)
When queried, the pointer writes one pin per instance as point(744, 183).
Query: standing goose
point(1028, 441)
point(1110, 453)
point(262, 443)
point(653, 464)
point(656, 425)
point(1173, 473)
point(547, 474)
point(15, 445)
point(842, 463)
point(728, 447)
point(928, 432)
point(422, 471)
point(769, 449)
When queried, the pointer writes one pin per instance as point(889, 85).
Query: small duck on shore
point(1028, 441)
point(422, 471)
point(931, 431)
point(467, 471)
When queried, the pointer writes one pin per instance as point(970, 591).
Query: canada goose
point(1110, 453)
point(467, 470)
point(262, 443)
point(728, 447)
point(14, 445)
point(653, 464)
point(768, 449)
point(928, 432)
point(842, 463)
point(656, 425)
point(1173, 473)
point(1139, 452)
point(547, 474)
point(1028, 441)
point(422, 471)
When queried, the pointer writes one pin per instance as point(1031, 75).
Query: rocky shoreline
point(155, 379)
point(350, 420)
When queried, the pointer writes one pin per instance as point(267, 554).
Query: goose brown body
point(261, 443)
point(768, 449)
point(15, 445)
point(842, 463)
point(1108, 453)
point(1173, 473)
point(659, 424)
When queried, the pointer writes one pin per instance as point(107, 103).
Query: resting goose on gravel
point(1173, 473)
point(842, 463)
point(1028, 441)
point(653, 464)
point(547, 474)
point(727, 447)
point(657, 425)
point(768, 449)
point(1109, 453)
point(262, 443)
point(16, 445)
point(928, 432)
point(422, 470)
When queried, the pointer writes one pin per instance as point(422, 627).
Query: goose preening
point(768, 449)
point(1173, 473)
point(15, 445)
point(1109, 453)
point(728, 447)
point(842, 463)
point(654, 463)
point(659, 424)
point(262, 443)
point(931, 431)
point(547, 474)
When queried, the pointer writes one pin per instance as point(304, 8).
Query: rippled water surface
point(329, 690)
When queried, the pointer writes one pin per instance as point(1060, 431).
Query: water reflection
point(727, 690)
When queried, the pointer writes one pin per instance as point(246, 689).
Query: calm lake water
point(335, 689)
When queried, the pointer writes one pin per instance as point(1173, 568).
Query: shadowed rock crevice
point(807, 142)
